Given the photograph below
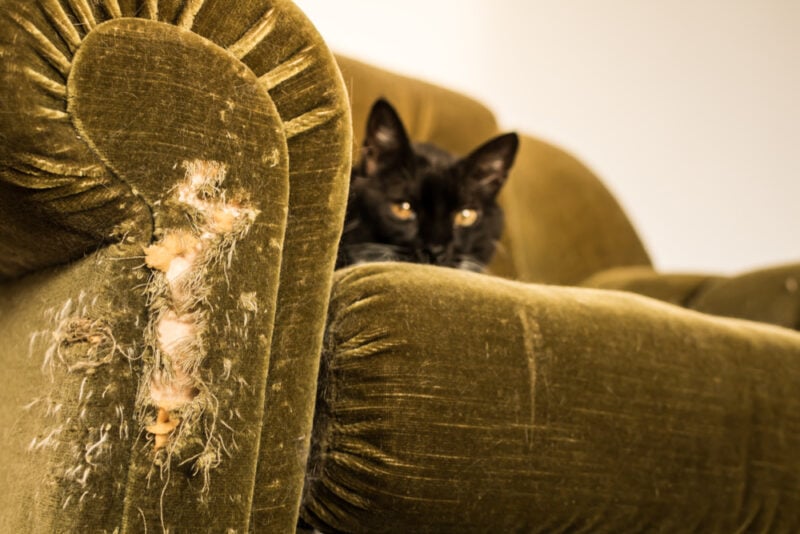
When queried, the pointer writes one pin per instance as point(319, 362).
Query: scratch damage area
point(176, 403)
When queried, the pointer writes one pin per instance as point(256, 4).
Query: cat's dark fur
point(419, 203)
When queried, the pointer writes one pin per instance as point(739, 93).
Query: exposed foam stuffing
point(179, 262)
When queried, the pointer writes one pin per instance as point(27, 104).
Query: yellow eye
point(466, 217)
point(403, 211)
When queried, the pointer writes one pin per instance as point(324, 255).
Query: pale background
point(688, 110)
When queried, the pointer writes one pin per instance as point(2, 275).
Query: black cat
point(418, 203)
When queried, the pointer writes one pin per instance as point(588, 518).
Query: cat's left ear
point(489, 163)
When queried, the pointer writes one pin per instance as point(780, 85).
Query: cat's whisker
point(373, 252)
point(350, 226)
point(469, 263)
point(499, 247)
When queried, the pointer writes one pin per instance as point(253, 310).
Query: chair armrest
point(173, 180)
point(455, 401)
point(679, 289)
point(770, 295)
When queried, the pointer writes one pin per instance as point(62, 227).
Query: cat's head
point(418, 203)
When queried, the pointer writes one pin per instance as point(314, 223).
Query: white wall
point(688, 110)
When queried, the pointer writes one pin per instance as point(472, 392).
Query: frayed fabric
point(174, 395)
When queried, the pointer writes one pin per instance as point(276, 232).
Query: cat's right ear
point(386, 143)
point(489, 164)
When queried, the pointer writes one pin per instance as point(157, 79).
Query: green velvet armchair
point(180, 356)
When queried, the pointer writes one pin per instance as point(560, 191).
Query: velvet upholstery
point(680, 289)
point(770, 295)
point(106, 110)
point(556, 410)
point(173, 176)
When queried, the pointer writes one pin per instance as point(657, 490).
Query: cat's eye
point(403, 211)
point(466, 217)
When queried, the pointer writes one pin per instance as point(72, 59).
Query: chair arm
point(679, 289)
point(452, 401)
point(174, 175)
point(769, 295)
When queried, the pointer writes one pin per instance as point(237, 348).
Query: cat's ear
point(386, 142)
point(489, 163)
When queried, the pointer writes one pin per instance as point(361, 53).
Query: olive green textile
point(430, 113)
point(562, 224)
point(142, 137)
point(456, 402)
point(769, 295)
point(680, 289)
point(52, 416)
point(107, 111)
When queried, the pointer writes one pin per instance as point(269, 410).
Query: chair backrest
point(430, 113)
point(562, 224)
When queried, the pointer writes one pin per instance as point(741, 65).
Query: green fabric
point(562, 224)
point(102, 116)
point(314, 106)
point(57, 199)
point(50, 416)
point(770, 295)
point(767, 295)
point(430, 113)
point(679, 289)
point(451, 402)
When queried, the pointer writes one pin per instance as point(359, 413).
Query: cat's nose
point(438, 254)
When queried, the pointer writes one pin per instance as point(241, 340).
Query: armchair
point(180, 356)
